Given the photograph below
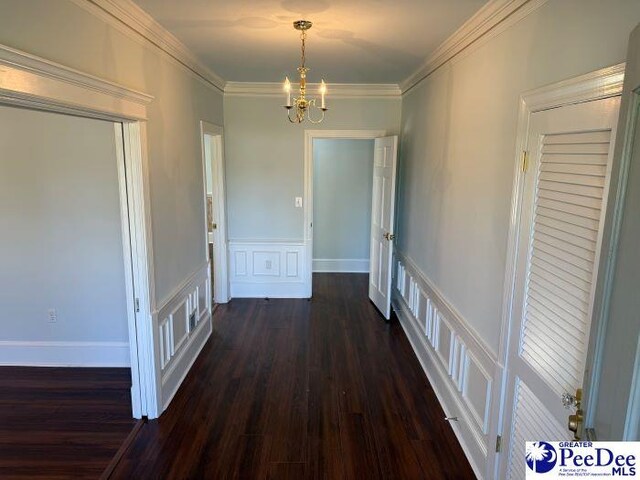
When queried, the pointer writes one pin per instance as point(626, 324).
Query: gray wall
point(61, 242)
point(342, 182)
point(264, 159)
point(458, 145)
point(66, 33)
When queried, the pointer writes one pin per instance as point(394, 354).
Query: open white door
point(559, 241)
point(382, 222)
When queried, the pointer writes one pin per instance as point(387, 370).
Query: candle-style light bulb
point(323, 91)
point(287, 89)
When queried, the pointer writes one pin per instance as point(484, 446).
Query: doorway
point(342, 189)
point(215, 210)
point(382, 214)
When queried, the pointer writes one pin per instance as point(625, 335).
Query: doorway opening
point(346, 182)
point(342, 189)
point(215, 211)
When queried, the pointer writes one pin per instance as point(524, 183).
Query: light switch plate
point(298, 202)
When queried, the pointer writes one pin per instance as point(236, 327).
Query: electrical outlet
point(267, 264)
point(298, 202)
point(53, 315)
point(192, 321)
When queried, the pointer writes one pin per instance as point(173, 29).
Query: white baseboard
point(64, 354)
point(268, 290)
point(341, 265)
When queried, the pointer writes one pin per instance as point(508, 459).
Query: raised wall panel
point(203, 302)
point(179, 345)
point(266, 264)
point(276, 270)
point(292, 264)
point(180, 324)
point(239, 267)
point(444, 342)
point(461, 370)
point(477, 391)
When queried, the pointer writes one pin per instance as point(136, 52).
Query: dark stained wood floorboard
point(61, 423)
point(321, 389)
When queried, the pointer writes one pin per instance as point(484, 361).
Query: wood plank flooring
point(60, 423)
point(297, 389)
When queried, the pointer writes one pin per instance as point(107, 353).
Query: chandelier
point(302, 106)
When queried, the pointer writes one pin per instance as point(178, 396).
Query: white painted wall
point(264, 156)
point(458, 145)
point(61, 242)
point(342, 182)
point(63, 32)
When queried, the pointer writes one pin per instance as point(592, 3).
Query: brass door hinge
point(525, 160)
point(137, 305)
point(498, 443)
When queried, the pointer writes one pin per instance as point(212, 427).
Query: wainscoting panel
point(463, 372)
point(267, 269)
point(184, 324)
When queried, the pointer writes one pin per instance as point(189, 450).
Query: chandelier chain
point(303, 36)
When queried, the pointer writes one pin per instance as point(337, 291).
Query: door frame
point(221, 263)
point(309, 137)
point(601, 84)
point(35, 83)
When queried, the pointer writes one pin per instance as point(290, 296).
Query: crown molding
point(120, 13)
point(334, 90)
point(492, 19)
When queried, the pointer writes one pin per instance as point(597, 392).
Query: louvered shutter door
point(569, 196)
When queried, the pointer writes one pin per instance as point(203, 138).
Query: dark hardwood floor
point(60, 423)
point(296, 389)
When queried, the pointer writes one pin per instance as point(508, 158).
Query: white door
point(560, 231)
point(382, 222)
point(616, 414)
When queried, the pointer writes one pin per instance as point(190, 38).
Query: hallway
point(298, 389)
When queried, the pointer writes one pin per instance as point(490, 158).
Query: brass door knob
point(575, 422)
point(389, 236)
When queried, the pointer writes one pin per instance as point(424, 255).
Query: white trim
point(632, 422)
point(36, 83)
point(220, 261)
point(493, 18)
point(597, 85)
point(64, 354)
point(334, 90)
point(309, 136)
point(126, 16)
point(341, 265)
point(267, 269)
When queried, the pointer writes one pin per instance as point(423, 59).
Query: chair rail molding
point(132, 20)
point(493, 18)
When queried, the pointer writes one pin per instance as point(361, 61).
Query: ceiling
point(352, 41)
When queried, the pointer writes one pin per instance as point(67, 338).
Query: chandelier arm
point(322, 110)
